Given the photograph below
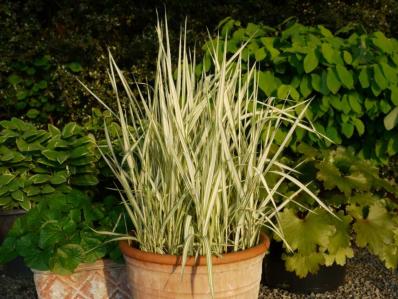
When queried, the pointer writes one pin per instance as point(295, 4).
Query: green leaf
point(66, 258)
point(394, 95)
point(74, 67)
point(39, 178)
point(345, 104)
point(71, 129)
point(359, 125)
point(345, 76)
point(379, 77)
point(23, 146)
point(332, 81)
point(22, 94)
point(332, 133)
point(287, 91)
point(50, 234)
point(375, 230)
point(375, 88)
point(80, 152)
point(302, 264)
point(353, 99)
point(59, 178)
point(382, 42)
point(347, 57)
point(14, 79)
point(32, 190)
point(391, 119)
point(84, 180)
point(347, 129)
point(32, 113)
point(260, 54)
point(5, 179)
point(310, 61)
point(58, 156)
point(316, 82)
point(305, 87)
point(267, 83)
point(327, 52)
point(364, 78)
point(389, 72)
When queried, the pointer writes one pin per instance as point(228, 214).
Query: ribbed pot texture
point(235, 275)
point(101, 280)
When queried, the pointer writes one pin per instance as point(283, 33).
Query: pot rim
point(12, 212)
point(166, 259)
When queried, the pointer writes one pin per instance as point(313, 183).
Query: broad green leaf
point(385, 106)
point(382, 42)
point(84, 180)
point(379, 77)
point(80, 152)
point(32, 113)
point(58, 156)
point(306, 234)
point(376, 90)
point(353, 99)
point(347, 129)
point(267, 83)
point(59, 178)
point(260, 54)
point(32, 190)
point(345, 104)
point(333, 83)
point(328, 53)
point(310, 61)
point(23, 146)
point(14, 79)
point(347, 57)
point(303, 264)
point(50, 234)
point(46, 189)
point(39, 178)
point(287, 91)
point(332, 133)
point(316, 82)
point(18, 195)
point(71, 129)
point(391, 119)
point(376, 230)
point(66, 258)
point(359, 125)
point(364, 78)
point(345, 76)
point(389, 72)
point(6, 178)
point(305, 86)
point(394, 95)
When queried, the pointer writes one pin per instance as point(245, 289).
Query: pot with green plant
point(36, 162)
point(197, 151)
point(367, 209)
point(57, 239)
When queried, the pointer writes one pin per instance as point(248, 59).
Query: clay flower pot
point(101, 280)
point(235, 275)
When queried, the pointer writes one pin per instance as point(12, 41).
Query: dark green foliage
point(364, 203)
point(35, 162)
point(353, 79)
point(57, 235)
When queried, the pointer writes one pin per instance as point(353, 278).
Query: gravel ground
point(366, 278)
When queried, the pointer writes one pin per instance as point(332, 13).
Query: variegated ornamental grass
point(198, 154)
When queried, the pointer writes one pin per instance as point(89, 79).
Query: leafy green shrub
point(354, 79)
point(57, 235)
point(35, 162)
point(362, 203)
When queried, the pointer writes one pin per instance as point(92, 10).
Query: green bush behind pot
point(352, 76)
point(35, 162)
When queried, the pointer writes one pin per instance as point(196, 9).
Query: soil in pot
point(276, 276)
point(236, 275)
point(16, 267)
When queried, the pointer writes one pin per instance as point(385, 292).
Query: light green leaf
point(347, 57)
point(379, 77)
point(391, 119)
point(353, 99)
point(66, 258)
point(345, 76)
point(364, 78)
point(394, 95)
point(260, 54)
point(303, 264)
point(328, 53)
point(347, 129)
point(359, 125)
point(310, 61)
point(332, 81)
point(316, 82)
point(305, 86)
point(267, 83)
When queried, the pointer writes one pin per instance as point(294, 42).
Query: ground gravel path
point(366, 278)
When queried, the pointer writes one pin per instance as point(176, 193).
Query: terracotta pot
point(100, 280)
point(235, 275)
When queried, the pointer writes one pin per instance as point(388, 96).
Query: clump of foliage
point(35, 162)
point(58, 234)
point(353, 79)
point(362, 201)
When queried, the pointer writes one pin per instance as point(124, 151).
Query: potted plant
point(367, 212)
point(35, 162)
point(197, 153)
point(56, 239)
